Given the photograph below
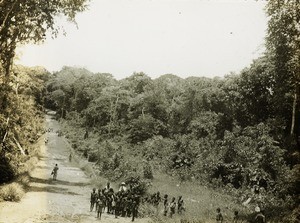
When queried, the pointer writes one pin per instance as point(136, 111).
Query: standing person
point(219, 216)
point(109, 200)
point(93, 199)
point(260, 217)
point(156, 201)
point(172, 207)
point(123, 207)
point(129, 205)
point(100, 205)
point(54, 172)
point(135, 206)
point(117, 203)
point(123, 187)
point(180, 205)
point(166, 205)
point(106, 188)
point(105, 193)
point(99, 195)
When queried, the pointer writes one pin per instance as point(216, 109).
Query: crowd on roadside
point(125, 202)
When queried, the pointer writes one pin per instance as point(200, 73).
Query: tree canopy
point(28, 21)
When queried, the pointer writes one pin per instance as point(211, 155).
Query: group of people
point(123, 202)
point(170, 206)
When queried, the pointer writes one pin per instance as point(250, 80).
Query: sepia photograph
point(150, 111)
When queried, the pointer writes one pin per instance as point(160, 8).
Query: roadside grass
point(12, 192)
point(87, 167)
point(24, 180)
point(200, 202)
point(15, 190)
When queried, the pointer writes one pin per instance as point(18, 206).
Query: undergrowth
point(117, 160)
point(12, 192)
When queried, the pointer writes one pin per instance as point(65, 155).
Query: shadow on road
point(51, 189)
point(57, 182)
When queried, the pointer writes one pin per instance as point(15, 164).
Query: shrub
point(12, 192)
point(147, 210)
point(93, 157)
point(24, 180)
point(27, 166)
point(137, 185)
point(7, 171)
point(147, 169)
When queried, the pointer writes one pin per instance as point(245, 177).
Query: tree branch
point(6, 17)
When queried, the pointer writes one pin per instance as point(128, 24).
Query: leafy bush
point(147, 210)
point(144, 127)
point(24, 180)
point(138, 186)
point(12, 192)
point(7, 171)
point(93, 157)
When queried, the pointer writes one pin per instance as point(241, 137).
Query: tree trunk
point(294, 113)
point(143, 114)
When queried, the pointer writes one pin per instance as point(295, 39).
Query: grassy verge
point(201, 199)
point(87, 167)
point(201, 202)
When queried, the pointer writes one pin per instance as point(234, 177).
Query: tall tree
point(283, 42)
point(28, 21)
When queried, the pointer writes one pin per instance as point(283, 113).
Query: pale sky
point(183, 37)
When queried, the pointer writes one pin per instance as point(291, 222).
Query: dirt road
point(64, 200)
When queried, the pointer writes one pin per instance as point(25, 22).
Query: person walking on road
point(54, 172)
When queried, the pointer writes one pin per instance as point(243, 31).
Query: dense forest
point(241, 132)
point(221, 131)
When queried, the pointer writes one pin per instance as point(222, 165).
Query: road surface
point(61, 201)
